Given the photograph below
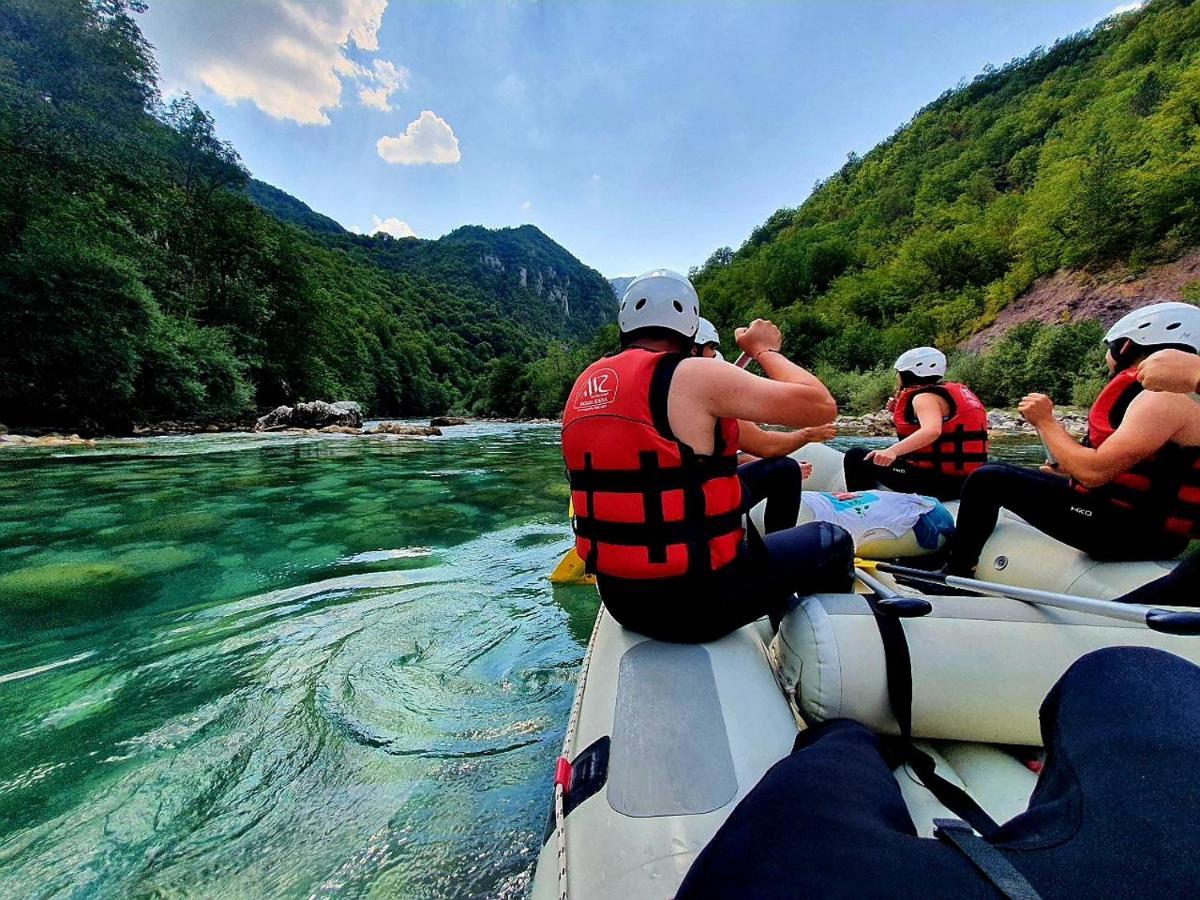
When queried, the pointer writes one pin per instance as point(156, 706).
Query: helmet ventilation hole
point(640, 303)
point(678, 306)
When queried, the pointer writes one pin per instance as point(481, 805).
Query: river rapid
point(238, 665)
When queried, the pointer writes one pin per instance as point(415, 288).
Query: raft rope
point(564, 761)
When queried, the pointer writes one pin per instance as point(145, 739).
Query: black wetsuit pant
point(780, 483)
point(1180, 587)
point(862, 475)
point(1114, 814)
point(1051, 505)
point(762, 581)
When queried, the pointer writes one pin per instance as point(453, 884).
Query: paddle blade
point(570, 570)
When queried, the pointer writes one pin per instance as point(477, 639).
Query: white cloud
point(1125, 7)
point(427, 139)
point(287, 57)
point(376, 98)
point(526, 205)
point(391, 225)
point(388, 77)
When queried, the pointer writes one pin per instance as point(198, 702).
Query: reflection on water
point(283, 665)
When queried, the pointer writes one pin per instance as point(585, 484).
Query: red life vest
point(1165, 486)
point(646, 506)
point(963, 445)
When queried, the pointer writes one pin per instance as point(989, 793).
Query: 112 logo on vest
point(599, 390)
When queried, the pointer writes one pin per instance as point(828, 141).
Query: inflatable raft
point(665, 739)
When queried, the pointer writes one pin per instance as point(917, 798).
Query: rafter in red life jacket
point(962, 446)
point(646, 506)
point(1165, 486)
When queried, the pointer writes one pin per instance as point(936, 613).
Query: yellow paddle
point(570, 569)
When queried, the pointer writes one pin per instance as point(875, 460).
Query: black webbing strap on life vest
point(589, 564)
point(652, 507)
point(957, 455)
point(647, 534)
point(649, 475)
point(990, 862)
point(898, 668)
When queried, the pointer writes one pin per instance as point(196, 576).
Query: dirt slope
point(1071, 296)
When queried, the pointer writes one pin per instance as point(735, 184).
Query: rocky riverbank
point(1001, 423)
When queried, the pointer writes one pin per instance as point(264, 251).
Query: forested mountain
point(141, 280)
point(1083, 155)
point(533, 282)
point(287, 208)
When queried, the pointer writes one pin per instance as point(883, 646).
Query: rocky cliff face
point(533, 281)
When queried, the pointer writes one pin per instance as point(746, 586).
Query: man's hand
point(805, 469)
point(759, 336)
point(1038, 409)
point(884, 456)
point(1174, 371)
point(815, 434)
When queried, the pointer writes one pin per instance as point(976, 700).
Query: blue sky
point(635, 134)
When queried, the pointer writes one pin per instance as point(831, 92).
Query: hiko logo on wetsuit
point(599, 390)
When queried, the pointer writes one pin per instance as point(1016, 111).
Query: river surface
point(284, 666)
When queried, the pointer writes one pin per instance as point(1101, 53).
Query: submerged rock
point(339, 429)
point(399, 429)
point(313, 414)
point(444, 421)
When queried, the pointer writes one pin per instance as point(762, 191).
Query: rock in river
point(400, 429)
point(313, 414)
point(444, 421)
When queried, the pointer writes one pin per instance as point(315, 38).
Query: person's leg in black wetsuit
point(779, 482)
point(1051, 505)
point(1113, 813)
point(1180, 587)
point(806, 559)
point(862, 475)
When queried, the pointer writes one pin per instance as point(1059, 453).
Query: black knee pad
point(855, 455)
point(837, 557)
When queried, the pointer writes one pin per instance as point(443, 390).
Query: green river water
point(247, 666)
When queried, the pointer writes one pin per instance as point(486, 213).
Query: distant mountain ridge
point(621, 284)
point(287, 208)
point(530, 277)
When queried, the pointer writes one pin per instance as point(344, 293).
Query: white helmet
point(707, 333)
point(1159, 324)
point(922, 361)
point(660, 298)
